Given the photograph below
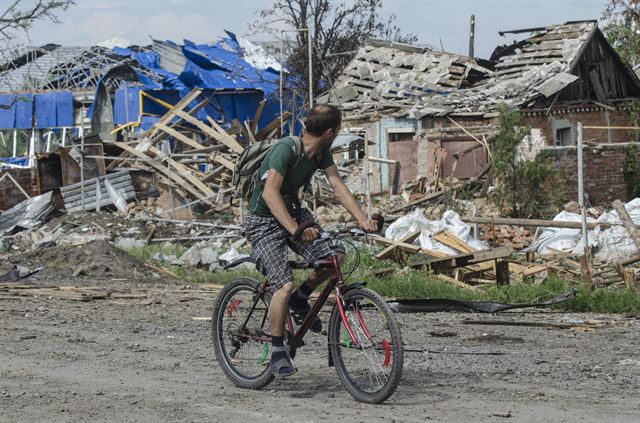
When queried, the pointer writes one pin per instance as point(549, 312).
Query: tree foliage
point(337, 31)
point(622, 28)
point(20, 16)
point(523, 188)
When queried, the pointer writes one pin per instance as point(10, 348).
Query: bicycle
point(364, 339)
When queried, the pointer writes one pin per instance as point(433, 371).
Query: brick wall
point(547, 124)
point(10, 194)
point(603, 171)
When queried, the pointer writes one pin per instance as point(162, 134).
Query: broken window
point(563, 137)
point(401, 134)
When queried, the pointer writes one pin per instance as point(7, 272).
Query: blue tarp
point(17, 112)
point(51, 110)
point(54, 109)
point(16, 161)
point(235, 87)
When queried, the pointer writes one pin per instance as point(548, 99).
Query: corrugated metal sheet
point(72, 194)
point(28, 214)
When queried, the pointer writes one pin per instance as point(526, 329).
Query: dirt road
point(147, 359)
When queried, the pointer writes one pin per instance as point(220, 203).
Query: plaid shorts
point(271, 250)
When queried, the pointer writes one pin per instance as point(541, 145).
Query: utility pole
point(472, 35)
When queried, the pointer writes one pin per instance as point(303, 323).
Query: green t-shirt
point(282, 158)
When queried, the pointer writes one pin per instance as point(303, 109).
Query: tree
point(622, 28)
point(337, 32)
point(20, 17)
point(523, 188)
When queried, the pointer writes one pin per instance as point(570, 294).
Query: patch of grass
point(409, 284)
point(145, 252)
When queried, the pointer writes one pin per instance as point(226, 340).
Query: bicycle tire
point(373, 349)
point(243, 289)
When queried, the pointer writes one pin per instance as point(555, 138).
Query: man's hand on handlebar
point(369, 225)
point(309, 234)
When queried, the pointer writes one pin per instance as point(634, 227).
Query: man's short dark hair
point(322, 117)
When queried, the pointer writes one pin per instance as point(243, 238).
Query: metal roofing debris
point(28, 214)
point(399, 80)
point(72, 194)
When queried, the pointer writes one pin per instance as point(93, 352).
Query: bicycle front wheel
point(370, 365)
point(242, 333)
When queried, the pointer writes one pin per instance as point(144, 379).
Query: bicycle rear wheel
point(242, 333)
point(369, 368)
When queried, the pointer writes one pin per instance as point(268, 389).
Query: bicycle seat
point(238, 262)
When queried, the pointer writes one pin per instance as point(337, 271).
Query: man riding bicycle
point(275, 215)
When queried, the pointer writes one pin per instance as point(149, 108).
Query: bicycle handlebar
point(355, 231)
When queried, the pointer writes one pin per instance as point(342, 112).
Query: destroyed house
point(442, 108)
point(54, 97)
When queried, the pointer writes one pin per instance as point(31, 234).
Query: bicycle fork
point(356, 342)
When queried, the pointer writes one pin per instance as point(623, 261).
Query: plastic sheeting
point(222, 70)
point(51, 110)
point(54, 109)
point(450, 221)
point(609, 244)
point(19, 114)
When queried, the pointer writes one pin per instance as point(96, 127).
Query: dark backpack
point(245, 174)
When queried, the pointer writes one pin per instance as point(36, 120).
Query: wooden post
point(502, 272)
point(629, 276)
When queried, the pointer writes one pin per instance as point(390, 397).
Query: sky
point(433, 21)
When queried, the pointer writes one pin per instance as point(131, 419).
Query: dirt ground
point(148, 359)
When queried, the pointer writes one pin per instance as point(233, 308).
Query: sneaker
point(300, 311)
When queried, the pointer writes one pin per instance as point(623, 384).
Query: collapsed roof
point(399, 81)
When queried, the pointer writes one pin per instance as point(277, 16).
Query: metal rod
point(82, 155)
point(472, 35)
point(583, 210)
point(367, 187)
point(310, 67)
point(15, 143)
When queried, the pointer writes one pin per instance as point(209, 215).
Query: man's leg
point(269, 248)
point(299, 300)
point(279, 308)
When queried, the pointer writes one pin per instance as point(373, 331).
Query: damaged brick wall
point(548, 125)
point(10, 193)
point(603, 171)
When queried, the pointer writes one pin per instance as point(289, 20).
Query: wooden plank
point(533, 222)
point(223, 161)
point(167, 117)
point(423, 200)
point(216, 135)
point(627, 222)
point(225, 138)
point(257, 116)
point(171, 175)
point(449, 239)
point(274, 125)
point(185, 171)
point(403, 244)
point(178, 136)
point(455, 282)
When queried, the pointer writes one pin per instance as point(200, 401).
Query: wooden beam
point(169, 174)
point(225, 138)
point(627, 222)
point(257, 116)
point(455, 282)
point(178, 136)
point(223, 161)
point(167, 117)
point(228, 141)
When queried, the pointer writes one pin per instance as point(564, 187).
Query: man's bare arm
point(273, 198)
point(346, 199)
